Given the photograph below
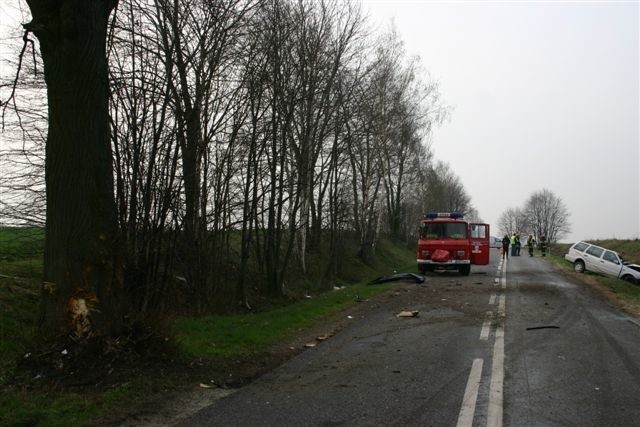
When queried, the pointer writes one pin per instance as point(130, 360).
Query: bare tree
point(146, 155)
point(514, 220)
point(547, 215)
point(444, 190)
point(23, 122)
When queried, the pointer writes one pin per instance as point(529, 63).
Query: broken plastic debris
point(203, 385)
point(310, 345)
point(407, 277)
point(349, 317)
point(64, 352)
point(413, 313)
point(323, 337)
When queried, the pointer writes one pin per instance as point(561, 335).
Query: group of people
point(514, 243)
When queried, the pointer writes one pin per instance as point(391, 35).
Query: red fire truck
point(449, 242)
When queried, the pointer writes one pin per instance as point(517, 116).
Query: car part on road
point(413, 313)
point(400, 277)
point(531, 328)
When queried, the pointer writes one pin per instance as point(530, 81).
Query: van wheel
point(631, 279)
point(578, 266)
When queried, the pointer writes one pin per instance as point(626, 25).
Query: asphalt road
point(514, 344)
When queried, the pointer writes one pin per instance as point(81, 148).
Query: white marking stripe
point(486, 326)
point(492, 299)
point(494, 418)
point(465, 418)
point(496, 397)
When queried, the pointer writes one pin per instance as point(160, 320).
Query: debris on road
point(413, 313)
point(531, 328)
point(399, 277)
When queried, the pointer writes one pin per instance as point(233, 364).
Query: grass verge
point(219, 337)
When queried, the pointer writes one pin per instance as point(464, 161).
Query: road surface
point(515, 344)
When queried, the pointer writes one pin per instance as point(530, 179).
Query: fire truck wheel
point(465, 270)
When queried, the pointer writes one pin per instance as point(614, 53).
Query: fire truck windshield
point(443, 230)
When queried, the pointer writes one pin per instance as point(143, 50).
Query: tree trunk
point(82, 288)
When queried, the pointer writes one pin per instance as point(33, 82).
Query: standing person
point(530, 243)
point(518, 244)
point(513, 244)
point(543, 245)
point(505, 246)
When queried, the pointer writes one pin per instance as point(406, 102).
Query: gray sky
point(544, 95)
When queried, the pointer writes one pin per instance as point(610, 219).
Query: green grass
point(215, 337)
point(20, 271)
point(20, 243)
point(43, 409)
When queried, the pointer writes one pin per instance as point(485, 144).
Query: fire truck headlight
point(425, 254)
point(460, 254)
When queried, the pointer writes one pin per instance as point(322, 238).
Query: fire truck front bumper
point(453, 262)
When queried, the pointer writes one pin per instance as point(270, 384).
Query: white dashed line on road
point(468, 409)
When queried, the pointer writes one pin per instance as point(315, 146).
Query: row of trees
point(242, 135)
point(543, 214)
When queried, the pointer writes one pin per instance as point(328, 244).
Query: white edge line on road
point(486, 326)
point(468, 409)
point(492, 299)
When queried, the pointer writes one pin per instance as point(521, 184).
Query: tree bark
point(82, 288)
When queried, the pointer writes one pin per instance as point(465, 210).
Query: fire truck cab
point(449, 242)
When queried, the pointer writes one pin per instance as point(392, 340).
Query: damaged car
point(588, 257)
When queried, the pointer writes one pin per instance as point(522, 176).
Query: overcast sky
point(543, 95)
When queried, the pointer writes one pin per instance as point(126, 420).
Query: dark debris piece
point(400, 277)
